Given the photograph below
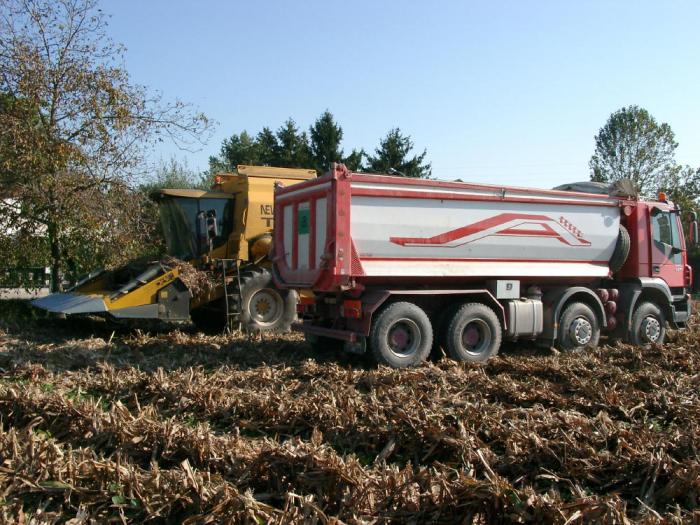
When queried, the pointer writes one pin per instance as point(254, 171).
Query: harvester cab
point(217, 268)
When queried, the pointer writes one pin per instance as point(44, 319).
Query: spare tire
point(622, 250)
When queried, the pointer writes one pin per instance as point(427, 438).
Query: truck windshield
point(184, 236)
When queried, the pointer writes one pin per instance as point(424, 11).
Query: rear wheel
point(578, 328)
point(473, 333)
point(648, 325)
point(401, 335)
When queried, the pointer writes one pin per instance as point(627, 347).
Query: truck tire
point(648, 325)
point(473, 333)
point(401, 335)
point(622, 250)
point(578, 328)
point(265, 308)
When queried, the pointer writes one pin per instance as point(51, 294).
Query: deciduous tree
point(633, 145)
point(79, 127)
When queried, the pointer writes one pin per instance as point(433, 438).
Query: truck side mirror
point(693, 233)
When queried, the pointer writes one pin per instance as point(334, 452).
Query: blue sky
point(508, 92)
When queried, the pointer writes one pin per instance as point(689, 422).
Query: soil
point(174, 426)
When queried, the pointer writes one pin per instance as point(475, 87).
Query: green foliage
point(633, 145)
point(292, 148)
point(683, 187)
point(394, 153)
point(174, 173)
point(326, 136)
point(239, 149)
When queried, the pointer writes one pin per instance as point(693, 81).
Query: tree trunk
point(55, 257)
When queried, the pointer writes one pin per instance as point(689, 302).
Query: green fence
point(29, 278)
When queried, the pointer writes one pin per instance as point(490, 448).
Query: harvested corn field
point(175, 426)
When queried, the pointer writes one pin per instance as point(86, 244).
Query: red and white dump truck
point(398, 265)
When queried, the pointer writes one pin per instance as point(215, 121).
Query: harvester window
point(185, 236)
point(223, 209)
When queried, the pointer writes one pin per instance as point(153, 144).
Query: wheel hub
point(651, 329)
point(265, 307)
point(404, 337)
point(581, 331)
point(476, 336)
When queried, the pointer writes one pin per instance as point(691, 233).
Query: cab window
point(666, 234)
point(661, 223)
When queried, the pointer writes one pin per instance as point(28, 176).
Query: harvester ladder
point(232, 300)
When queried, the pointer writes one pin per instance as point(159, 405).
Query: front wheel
point(578, 328)
point(648, 325)
point(401, 335)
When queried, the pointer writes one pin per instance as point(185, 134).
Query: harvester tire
point(401, 335)
point(578, 328)
point(622, 250)
point(265, 308)
point(473, 333)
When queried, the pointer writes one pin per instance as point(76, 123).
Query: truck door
point(666, 247)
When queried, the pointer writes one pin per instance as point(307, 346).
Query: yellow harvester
point(225, 234)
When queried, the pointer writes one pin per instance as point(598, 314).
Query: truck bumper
point(320, 331)
point(680, 313)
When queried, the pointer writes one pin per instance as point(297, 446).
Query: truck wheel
point(648, 325)
point(622, 250)
point(578, 328)
point(401, 335)
point(263, 307)
point(473, 333)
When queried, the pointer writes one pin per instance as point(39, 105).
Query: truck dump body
point(346, 227)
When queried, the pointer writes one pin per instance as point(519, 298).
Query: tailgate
point(312, 232)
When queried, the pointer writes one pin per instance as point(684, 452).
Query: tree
point(633, 145)
point(268, 147)
point(174, 173)
point(239, 149)
point(83, 127)
point(292, 147)
point(326, 136)
point(393, 153)
point(354, 161)
point(683, 187)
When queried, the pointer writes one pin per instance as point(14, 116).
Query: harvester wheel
point(473, 333)
point(401, 335)
point(265, 308)
point(648, 325)
point(622, 250)
point(578, 328)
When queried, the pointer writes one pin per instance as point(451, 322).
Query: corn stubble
point(177, 427)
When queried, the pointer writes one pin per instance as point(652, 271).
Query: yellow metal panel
point(146, 294)
point(276, 173)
